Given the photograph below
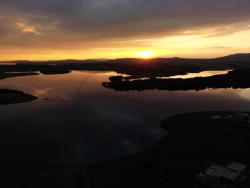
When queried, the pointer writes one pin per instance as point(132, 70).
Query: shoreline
point(184, 152)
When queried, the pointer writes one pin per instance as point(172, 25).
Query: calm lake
point(77, 119)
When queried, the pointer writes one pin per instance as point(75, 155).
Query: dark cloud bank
point(71, 20)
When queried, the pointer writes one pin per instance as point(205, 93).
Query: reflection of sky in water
point(201, 74)
point(81, 120)
point(245, 94)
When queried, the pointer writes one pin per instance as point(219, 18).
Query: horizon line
point(110, 59)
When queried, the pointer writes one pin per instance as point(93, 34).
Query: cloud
point(82, 22)
point(27, 28)
point(216, 47)
point(4, 27)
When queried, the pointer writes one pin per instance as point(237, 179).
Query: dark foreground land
point(194, 141)
point(11, 97)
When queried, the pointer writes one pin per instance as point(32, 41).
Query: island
point(8, 96)
point(237, 79)
point(4, 75)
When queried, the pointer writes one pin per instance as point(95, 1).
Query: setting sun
point(145, 54)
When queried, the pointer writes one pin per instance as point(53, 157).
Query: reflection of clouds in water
point(124, 118)
point(245, 94)
point(69, 132)
point(41, 92)
point(52, 94)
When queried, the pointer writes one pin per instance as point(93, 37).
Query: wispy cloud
point(25, 28)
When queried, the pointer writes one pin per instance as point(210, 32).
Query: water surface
point(201, 74)
point(77, 119)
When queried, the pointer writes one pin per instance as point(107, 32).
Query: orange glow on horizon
point(185, 46)
point(145, 54)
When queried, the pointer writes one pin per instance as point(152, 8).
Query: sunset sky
point(86, 29)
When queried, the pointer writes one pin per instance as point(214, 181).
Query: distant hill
point(234, 58)
point(241, 57)
point(133, 66)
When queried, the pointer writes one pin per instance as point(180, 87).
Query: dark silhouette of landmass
point(131, 66)
point(54, 70)
point(193, 142)
point(239, 78)
point(12, 97)
point(4, 75)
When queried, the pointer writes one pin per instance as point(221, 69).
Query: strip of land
point(135, 67)
point(237, 79)
point(12, 97)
